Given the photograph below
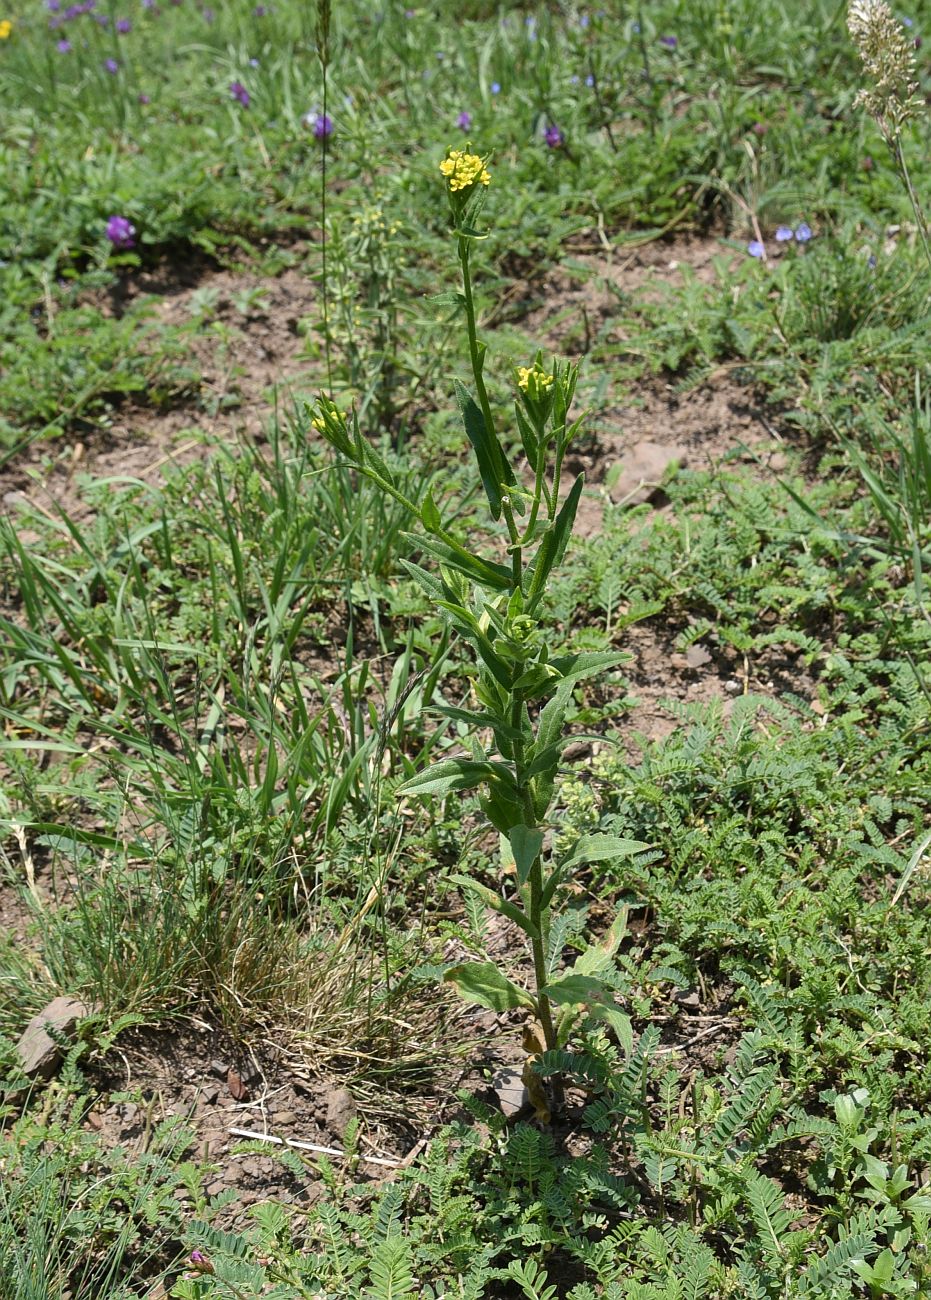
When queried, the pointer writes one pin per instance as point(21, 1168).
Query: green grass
point(213, 680)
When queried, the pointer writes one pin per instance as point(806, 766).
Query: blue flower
point(803, 233)
point(783, 234)
point(495, 88)
point(756, 249)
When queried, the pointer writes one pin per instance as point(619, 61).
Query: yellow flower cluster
point(5, 28)
point(541, 378)
point(463, 170)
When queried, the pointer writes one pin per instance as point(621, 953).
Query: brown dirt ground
point(194, 1073)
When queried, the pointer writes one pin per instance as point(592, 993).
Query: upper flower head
point(534, 380)
point(463, 170)
point(121, 232)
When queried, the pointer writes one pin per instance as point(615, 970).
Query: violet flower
point(464, 120)
point(239, 92)
point(121, 232)
point(756, 249)
point(553, 136)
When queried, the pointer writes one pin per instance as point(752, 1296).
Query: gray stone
point(39, 1052)
point(340, 1109)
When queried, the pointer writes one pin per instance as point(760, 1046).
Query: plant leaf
point(602, 848)
point(498, 904)
point(454, 774)
point(482, 982)
point(491, 463)
point(526, 843)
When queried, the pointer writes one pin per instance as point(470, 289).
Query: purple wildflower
point(208, 15)
point(590, 80)
point(239, 92)
point(121, 232)
point(908, 22)
point(111, 66)
point(495, 87)
point(323, 126)
point(145, 99)
point(102, 19)
point(574, 79)
point(760, 128)
point(756, 249)
point(584, 21)
point(671, 42)
point(260, 11)
point(123, 25)
point(148, 4)
point(553, 136)
point(783, 234)
point(63, 47)
point(53, 6)
point(464, 120)
point(253, 63)
point(803, 233)
point(871, 261)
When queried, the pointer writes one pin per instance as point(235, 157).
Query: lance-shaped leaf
point(602, 848)
point(485, 572)
point(498, 904)
point(526, 843)
point(465, 622)
point(571, 989)
point(456, 774)
point(492, 465)
point(482, 982)
point(430, 514)
point(553, 546)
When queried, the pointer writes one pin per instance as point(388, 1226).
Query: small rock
point(286, 1117)
point(239, 1091)
point(687, 999)
point(210, 1094)
point(697, 656)
point(642, 471)
point(510, 1091)
point(39, 1053)
point(219, 1068)
point(340, 1109)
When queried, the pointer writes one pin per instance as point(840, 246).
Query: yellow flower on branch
point(533, 381)
point(463, 170)
point(6, 28)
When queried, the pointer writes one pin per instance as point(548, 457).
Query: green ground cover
point(261, 720)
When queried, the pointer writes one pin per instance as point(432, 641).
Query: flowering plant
point(521, 690)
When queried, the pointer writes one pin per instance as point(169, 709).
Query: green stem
point(507, 510)
point(917, 209)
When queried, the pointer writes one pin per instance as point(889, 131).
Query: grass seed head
point(889, 64)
